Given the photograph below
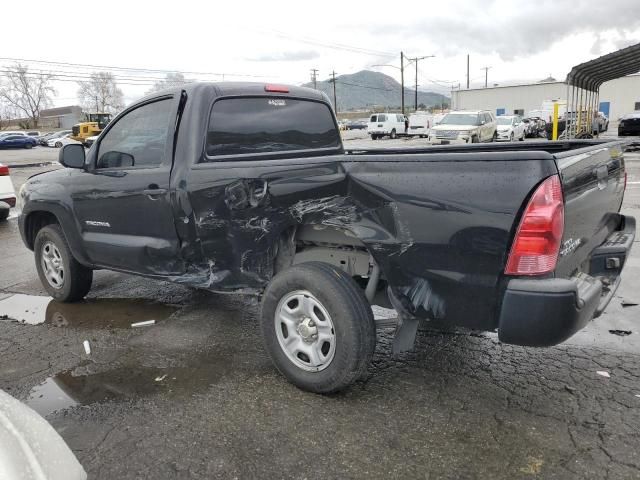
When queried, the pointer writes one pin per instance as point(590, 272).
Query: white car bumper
point(504, 135)
point(433, 139)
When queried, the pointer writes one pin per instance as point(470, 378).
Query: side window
point(138, 139)
point(382, 118)
point(373, 119)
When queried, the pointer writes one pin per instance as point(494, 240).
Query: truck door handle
point(602, 174)
point(153, 191)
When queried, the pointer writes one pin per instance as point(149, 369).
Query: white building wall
point(622, 93)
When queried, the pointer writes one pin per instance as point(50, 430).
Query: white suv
point(465, 127)
point(381, 124)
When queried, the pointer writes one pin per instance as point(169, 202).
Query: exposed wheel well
point(332, 245)
point(35, 222)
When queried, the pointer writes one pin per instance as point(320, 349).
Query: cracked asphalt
point(195, 395)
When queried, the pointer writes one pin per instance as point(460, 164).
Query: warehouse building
point(61, 117)
point(617, 97)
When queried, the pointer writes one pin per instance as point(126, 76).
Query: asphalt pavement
point(195, 395)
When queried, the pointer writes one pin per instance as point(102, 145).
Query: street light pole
point(416, 92)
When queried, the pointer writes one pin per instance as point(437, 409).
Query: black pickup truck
point(247, 188)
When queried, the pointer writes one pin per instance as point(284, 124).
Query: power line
point(334, 46)
point(364, 86)
point(147, 70)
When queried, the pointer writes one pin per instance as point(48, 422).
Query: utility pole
point(402, 80)
point(335, 100)
point(314, 76)
point(416, 92)
point(486, 75)
point(467, 71)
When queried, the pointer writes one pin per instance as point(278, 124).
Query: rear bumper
point(545, 312)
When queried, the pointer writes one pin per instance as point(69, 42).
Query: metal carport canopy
point(590, 75)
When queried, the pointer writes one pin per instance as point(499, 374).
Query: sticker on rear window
point(277, 102)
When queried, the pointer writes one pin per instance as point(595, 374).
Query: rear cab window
point(268, 125)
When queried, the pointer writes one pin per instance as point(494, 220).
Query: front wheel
point(318, 327)
point(511, 138)
point(58, 144)
point(28, 145)
point(495, 137)
point(4, 214)
point(374, 137)
point(62, 276)
point(393, 134)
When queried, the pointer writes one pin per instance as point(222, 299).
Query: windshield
point(460, 119)
point(504, 120)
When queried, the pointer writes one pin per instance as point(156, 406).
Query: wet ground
point(193, 395)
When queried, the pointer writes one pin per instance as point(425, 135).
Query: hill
point(366, 89)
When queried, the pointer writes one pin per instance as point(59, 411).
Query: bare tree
point(101, 93)
point(27, 93)
point(170, 80)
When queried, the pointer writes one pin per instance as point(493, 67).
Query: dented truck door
point(261, 175)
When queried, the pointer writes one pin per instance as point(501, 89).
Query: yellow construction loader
point(92, 125)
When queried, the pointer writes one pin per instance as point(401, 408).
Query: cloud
point(513, 29)
point(291, 56)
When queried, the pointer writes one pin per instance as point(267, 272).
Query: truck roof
point(242, 88)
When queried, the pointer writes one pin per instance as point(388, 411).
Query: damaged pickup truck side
point(247, 188)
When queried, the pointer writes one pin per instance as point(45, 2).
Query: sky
point(281, 41)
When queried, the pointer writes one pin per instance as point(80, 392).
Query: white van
point(419, 124)
point(382, 124)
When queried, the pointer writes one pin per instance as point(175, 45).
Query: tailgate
point(593, 181)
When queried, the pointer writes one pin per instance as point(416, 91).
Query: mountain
point(366, 89)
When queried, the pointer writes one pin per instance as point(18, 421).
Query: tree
point(101, 93)
point(170, 80)
point(27, 93)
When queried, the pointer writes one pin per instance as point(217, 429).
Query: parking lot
point(196, 395)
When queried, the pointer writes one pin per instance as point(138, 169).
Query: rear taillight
point(537, 242)
point(4, 170)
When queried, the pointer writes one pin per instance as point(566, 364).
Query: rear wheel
point(318, 327)
point(374, 137)
point(62, 276)
point(4, 214)
point(393, 134)
point(28, 145)
point(58, 144)
point(474, 139)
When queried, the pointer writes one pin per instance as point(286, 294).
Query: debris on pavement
point(603, 373)
point(87, 347)
point(161, 378)
point(620, 333)
point(569, 388)
point(628, 303)
point(146, 323)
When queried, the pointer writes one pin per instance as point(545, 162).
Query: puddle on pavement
point(92, 313)
point(66, 390)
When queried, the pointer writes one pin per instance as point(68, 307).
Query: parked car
point(14, 133)
point(510, 128)
point(356, 125)
point(33, 133)
point(386, 124)
point(420, 124)
point(44, 139)
point(629, 124)
point(61, 141)
point(467, 236)
point(602, 122)
point(470, 126)
point(17, 141)
point(7, 194)
point(90, 141)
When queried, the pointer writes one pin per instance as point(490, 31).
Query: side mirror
point(72, 156)
point(116, 159)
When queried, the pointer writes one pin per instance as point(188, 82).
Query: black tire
point(77, 278)
point(495, 137)
point(4, 214)
point(393, 134)
point(28, 145)
point(374, 137)
point(58, 144)
point(474, 139)
point(512, 137)
point(351, 318)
